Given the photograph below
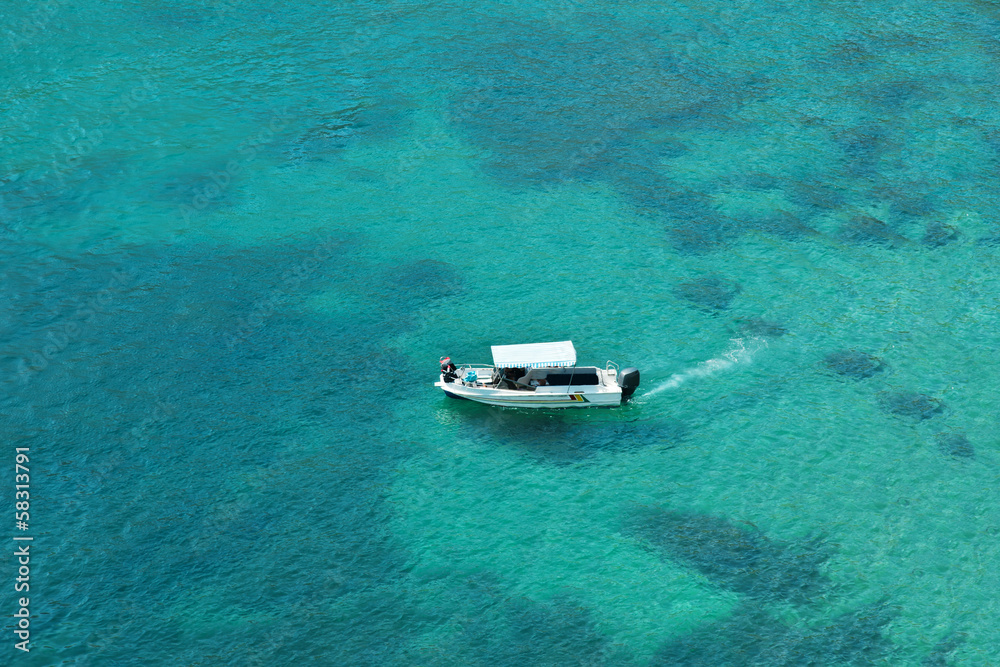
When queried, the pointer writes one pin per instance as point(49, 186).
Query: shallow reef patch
point(855, 364)
point(955, 445)
point(736, 556)
point(496, 627)
point(756, 326)
point(751, 636)
point(938, 234)
point(943, 653)
point(911, 404)
point(867, 230)
point(710, 293)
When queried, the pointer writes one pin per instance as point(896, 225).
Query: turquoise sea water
point(237, 236)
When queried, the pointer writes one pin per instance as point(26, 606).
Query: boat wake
point(741, 351)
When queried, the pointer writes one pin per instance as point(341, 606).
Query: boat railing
point(608, 368)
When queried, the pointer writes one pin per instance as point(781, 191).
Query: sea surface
point(236, 236)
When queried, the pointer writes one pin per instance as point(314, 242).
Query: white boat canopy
point(534, 355)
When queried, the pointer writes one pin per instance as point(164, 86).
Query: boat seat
point(577, 378)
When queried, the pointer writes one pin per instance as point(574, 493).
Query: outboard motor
point(628, 380)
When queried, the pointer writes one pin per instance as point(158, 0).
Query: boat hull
point(543, 397)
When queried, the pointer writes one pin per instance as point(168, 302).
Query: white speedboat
point(538, 375)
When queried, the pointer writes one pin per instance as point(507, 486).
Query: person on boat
point(448, 369)
point(515, 377)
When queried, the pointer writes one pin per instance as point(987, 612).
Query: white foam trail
point(741, 351)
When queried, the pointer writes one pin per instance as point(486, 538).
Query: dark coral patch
point(753, 637)
point(943, 654)
point(782, 224)
point(848, 55)
point(911, 404)
point(758, 327)
point(738, 557)
point(862, 148)
point(561, 106)
point(692, 224)
point(349, 121)
point(696, 234)
point(422, 280)
point(909, 199)
point(556, 105)
point(214, 186)
point(955, 445)
point(710, 293)
point(756, 181)
point(159, 339)
point(57, 195)
point(496, 626)
point(815, 194)
point(938, 234)
point(866, 230)
point(854, 364)
point(328, 135)
point(895, 95)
